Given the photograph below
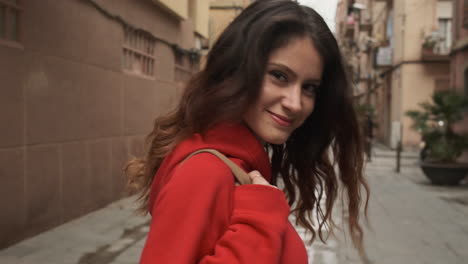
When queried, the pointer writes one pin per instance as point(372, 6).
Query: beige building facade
point(222, 12)
point(459, 54)
point(410, 42)
point(80, 85)
point(459, 58)
point(421, 42)
point(362, 35)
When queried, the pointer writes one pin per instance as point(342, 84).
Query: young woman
point(274, 98)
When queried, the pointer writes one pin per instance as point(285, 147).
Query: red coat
point(200, 216)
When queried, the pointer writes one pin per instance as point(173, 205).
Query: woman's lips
point(281, 120)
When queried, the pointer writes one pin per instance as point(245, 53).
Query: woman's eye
point(310, 89)
point(279, 76)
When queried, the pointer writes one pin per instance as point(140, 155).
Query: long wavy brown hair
point(330, 138)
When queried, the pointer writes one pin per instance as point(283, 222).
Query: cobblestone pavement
point(411, 221)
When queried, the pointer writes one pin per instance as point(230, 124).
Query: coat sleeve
point(200, 217)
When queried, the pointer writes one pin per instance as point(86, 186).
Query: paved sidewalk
point(411, 222)
point(415, 222)
point(113, 234)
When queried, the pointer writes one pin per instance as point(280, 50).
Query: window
point(445, 36)
point(138, 53)
point(10, 12)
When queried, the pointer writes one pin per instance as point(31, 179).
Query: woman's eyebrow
point(291, 72)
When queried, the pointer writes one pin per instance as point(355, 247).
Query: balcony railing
point(383, 57)
point(435, 48)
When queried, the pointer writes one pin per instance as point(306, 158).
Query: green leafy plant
point(435, 122)
point(429, 42)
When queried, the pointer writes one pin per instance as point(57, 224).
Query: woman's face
point(287, 96)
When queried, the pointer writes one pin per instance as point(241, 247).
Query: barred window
point(138, 53)
point(10, 12)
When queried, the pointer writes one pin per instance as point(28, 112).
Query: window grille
point(10, 14)
point(138, 53)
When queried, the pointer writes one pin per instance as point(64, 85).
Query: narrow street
point(411, 221)
point(86, 86)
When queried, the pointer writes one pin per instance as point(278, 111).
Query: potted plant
point(443, 146)
point(429, 44)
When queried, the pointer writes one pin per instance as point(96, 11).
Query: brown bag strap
point(240, 174)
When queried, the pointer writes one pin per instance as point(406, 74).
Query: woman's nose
point(292, 98)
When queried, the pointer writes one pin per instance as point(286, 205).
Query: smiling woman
point(275, 100)
point(287, 95)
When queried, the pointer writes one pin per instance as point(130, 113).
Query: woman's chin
point(276, 140)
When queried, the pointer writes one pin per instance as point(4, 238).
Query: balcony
point(349, 26)
point(177, 8)
point(365, 77)
point(435, 48)
point(383, 57)
point(430, 55)
point(366, 26)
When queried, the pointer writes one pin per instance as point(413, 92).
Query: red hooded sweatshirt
point(200, 216)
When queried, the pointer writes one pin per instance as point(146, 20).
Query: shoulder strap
point(239, 173)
